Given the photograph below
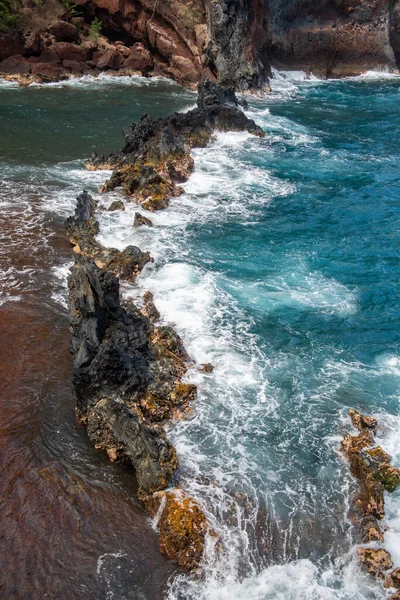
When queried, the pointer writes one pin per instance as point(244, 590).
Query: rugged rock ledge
point(127, 368)
point(156, 156)
point(127, 376)
point(372, 468)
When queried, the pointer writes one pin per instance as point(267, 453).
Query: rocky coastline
point(51, 40)
point(375, 475)
point(233, 42)
point(128, 369)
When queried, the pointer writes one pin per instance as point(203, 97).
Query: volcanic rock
point(15, 65)
point(371, 467)
point(48, 56)
point(49, 71)
point(116, 205)
point(375, 561)
point(82, 229)
point(11, 44)
point(65, 32)
point(182, 527)
point(67, 51)
point(111, 59)
point(139, 59)
point(141, 220)
point(156, 156)
point(393, 579)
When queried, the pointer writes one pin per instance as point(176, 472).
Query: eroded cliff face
point(187, 40)
point(233, 42)
point(193, 39)
point(334, 38)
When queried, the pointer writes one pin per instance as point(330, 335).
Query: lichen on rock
point(376, 561)
point(182, 525)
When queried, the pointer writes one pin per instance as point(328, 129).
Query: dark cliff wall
point(332, 37)
point(237, 51)
point(394, 29)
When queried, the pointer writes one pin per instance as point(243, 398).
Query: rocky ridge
point(156, 157)
point(127, 367)
point(375, 474)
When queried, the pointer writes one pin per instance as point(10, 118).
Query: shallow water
point(70, 525)
point(279, 265)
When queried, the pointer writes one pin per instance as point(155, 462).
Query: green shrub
point(95, 28)
point(70, 8)
point(8, 15)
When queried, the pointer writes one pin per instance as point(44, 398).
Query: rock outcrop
point(127, 377)
point(233, 42)
point(128, 368)
point(156, 157)
point(334, 39)
point(82, 229)
point(375, 474)
point(182, 526)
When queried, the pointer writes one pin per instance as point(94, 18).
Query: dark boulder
point(139, 59)
point(65, 32)
point(112, 59)
point(141, 220)
point(48, 56)
point(75, 67)
point(67, 51)
point(48, 71)
point(15, 65)
point(10, 45)
point(211, 94)
point(116, 205)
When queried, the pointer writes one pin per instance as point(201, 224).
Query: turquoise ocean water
point(280, 266)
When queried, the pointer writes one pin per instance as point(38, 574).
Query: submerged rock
point(141, 220)
point(156, 156)
point(116, 205)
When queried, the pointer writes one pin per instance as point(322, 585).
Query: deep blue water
point(280, 266)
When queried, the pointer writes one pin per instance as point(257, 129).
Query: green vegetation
point(95, 29)
point(191, 15)
point(8, 15)
point(70, 8)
